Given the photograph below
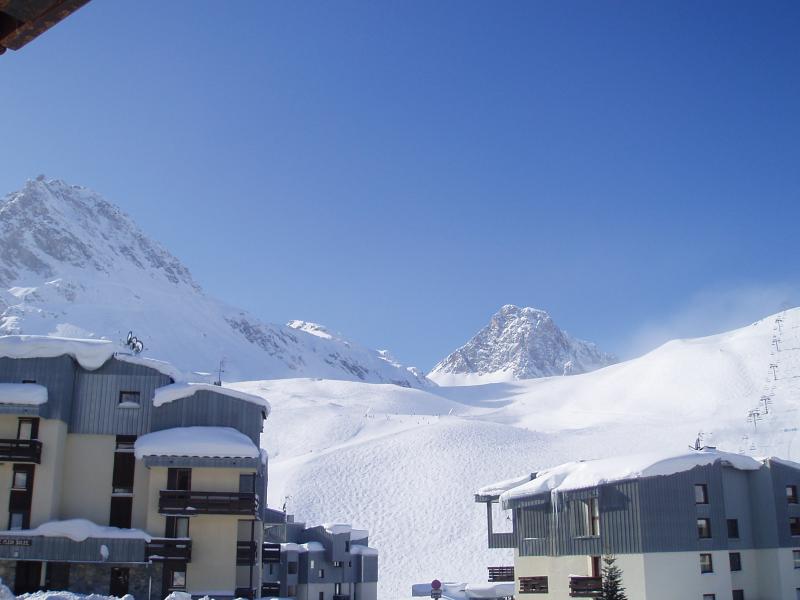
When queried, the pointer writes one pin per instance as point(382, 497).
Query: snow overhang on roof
point(28, 394)
point(79, 530)
point(200, 442)
point(89, 354)
point(591, 473)
point(177, 391)
point(489, 493)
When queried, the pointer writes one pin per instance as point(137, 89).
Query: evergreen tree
point(612, 580)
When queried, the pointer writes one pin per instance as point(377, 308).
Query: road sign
point(436, 594)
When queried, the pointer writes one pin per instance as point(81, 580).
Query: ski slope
point(405, 463)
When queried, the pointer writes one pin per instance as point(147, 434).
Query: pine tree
point(612, 580)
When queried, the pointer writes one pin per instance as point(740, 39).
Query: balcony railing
point(29, 451)
point(533, 585)
point(585, 587)
point(244, 593)
point(179, 502)
point(270, 589)
point(341, 597)
point(245, 553)
point(169, 549)
point(501, 573)
point(271, 553)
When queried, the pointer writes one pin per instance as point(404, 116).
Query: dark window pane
point(701, 493)
point(736, 561)
point(733, 528)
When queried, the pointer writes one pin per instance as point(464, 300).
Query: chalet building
point(120, 479)
point(327, 562)
point(706, 525)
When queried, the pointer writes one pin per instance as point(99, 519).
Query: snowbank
point(489, 591)
point(177, 391)
point(90, 354)
point(200, 441)
point(79, 530)
point(584, 474)
point(31, 394)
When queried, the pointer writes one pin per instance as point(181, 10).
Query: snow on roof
point(311, 547)
point(177, 391)
point(79, 530)
point(363, 550)
point(339, 528)
point(90, 354)
point(200, 441)
point(584, 474)
point(30, 394)
point(489, 591)
point(495, 489)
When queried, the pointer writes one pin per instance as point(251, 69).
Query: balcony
point(341, 597)
point(23, 451)
point(501, 573)
point(244, 593)
point(271, 553)
point(169, 549)
point(180, 502)
point(533, 585)
point(245, 553)
point(585, 587)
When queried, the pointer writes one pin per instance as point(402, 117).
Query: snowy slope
point(518, 343)
point(405, 463)
point(73, 264)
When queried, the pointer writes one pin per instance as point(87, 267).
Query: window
point(28, 381)
point(796, 558)
point(736, 561)
point(179, 479)
point(124, 465)
point(178, 581)
point(129, 400)
point(322, 596)
point(738, 594)
point(794, 525)
point(16, 520)
point(125, 443)
point(28, 429)
point(291, 568)
point(177, 527)
point(704, 528)
point(706, 564)
point(591, 516)
point(733, 529)
point(337, 563)
point(791, 494)
point(121, 511)
point(321, 573)
point(709, 597)
point(337, 588)
point(311, 564)
point(347, 546)
point(594, 566)
point(701, 493)
point(247, 482)
point(20, 480)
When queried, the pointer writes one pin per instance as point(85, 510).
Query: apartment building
point(704, 525)
point(326, 562)
point(116, 478)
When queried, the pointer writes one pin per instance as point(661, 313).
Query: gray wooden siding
point(59, 549)
point(96, 407)
point(207, 408)
point(56, 374)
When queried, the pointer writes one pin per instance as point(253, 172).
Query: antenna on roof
point(220, 371)
point(134, 344)
point(698, 443)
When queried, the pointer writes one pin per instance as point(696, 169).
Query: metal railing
point(501, 573)
point(270, 553)
point(21, 450)
point(585, 587)
point(180, 502)
point(169, 549)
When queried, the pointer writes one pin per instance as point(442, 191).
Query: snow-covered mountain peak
point(519, 343)
point(73, 264)
point(49, 225)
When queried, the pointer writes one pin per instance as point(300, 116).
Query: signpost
point(436, 589)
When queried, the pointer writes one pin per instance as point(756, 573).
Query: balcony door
point(179, 479)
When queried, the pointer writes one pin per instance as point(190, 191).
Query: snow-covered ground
point(405, 463)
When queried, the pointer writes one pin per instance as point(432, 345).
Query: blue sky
point(399, 170)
